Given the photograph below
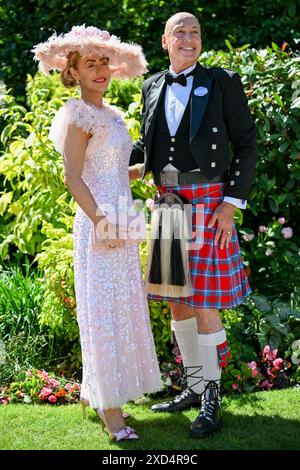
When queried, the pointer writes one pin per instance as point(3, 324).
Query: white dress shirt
point(176, 100)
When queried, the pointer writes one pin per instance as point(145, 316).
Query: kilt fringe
point(154, 274)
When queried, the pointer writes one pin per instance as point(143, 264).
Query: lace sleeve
point(72, 112)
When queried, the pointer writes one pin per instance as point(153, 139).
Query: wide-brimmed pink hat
point(126, 60)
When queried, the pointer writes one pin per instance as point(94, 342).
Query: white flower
point(268, 252)
point(287, 232)
point(2, 92)
point(141, 400)
point(168, 381)
point(150, 204)
point(296, 345)
point(248, 237)
point(27, 399)
point(296, 357)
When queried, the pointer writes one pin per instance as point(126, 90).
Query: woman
point(118, 353)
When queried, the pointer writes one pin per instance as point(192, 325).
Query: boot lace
point(211, 398)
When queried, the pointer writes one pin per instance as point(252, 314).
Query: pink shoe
point(125, 434)
point(122, 435)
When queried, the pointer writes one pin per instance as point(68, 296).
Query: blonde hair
point(66, 76)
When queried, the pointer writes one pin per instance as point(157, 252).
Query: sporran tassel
point(154, 276)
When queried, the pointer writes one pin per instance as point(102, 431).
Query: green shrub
point(25, 342)
point(24, 24)
point(250, 328)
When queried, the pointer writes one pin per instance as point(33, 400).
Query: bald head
point(182, 15)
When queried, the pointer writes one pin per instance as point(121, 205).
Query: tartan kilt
point(218, 276)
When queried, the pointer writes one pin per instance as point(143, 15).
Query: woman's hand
point(112, 234)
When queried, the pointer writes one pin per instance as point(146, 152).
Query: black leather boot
point(187, 397)
point(209, 417)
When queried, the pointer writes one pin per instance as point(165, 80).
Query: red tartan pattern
point(223, 354)
point(218, 276)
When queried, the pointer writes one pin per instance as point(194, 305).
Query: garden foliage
point(140, 21)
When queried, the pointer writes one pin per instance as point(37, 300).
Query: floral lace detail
point(91, 119)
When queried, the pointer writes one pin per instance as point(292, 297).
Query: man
point(197, 126)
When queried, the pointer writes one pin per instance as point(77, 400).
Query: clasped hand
point(112, 234)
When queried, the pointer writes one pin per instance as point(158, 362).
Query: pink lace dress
point(118, 353)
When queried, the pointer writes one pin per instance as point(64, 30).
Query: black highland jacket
point(221, 133)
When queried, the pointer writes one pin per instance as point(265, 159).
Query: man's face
point(182, 39)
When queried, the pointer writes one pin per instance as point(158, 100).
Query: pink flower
point(253, 366)
point(89, 31)
point(54, 383)
point(238, 377)
point(178, 359)
point(266, 385)
point(262, 228)
point(43, 374)
point(273, 354)
point(281, 220)
point(234, 386)
point(268, 252)
point(45, 392)
point(4, 400)
point(287, 232)
point(52, 399)
point(150, 204)
point(277, 363)
point(68, 387)
point(151, 182)
point(268, 354)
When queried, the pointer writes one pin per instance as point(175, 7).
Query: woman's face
point(92, 72)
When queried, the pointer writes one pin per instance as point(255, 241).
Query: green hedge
point(24, 24)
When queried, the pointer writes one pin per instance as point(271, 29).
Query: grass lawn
point(257, 421)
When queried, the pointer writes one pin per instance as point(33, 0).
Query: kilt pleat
point(218, 276)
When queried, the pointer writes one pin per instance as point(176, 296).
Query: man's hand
point(223, 215)
point(135, 171)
